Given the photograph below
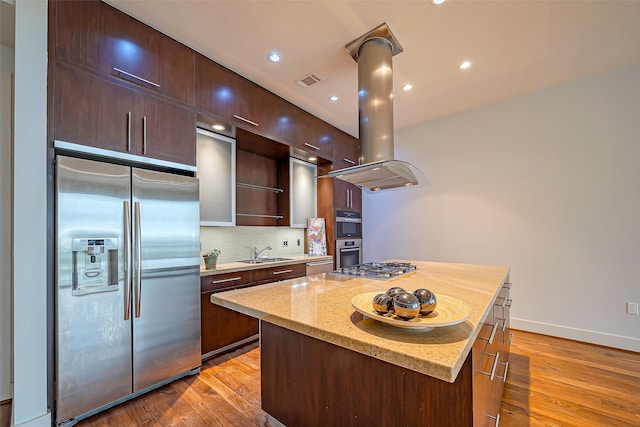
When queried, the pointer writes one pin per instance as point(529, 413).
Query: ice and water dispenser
point(95, 265)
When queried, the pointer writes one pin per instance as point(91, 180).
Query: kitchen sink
point(263, 260)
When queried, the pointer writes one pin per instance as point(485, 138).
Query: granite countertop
point(232, 267)
point(319, 306)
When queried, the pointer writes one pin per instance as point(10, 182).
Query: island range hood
point(378, 170)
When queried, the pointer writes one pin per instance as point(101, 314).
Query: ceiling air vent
point(309, 80)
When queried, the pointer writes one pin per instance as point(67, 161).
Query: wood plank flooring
point(551, 382)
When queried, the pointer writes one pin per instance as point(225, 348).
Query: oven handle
point(350, 250)
point(342, 219)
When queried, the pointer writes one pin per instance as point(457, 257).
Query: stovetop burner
point(377, 270)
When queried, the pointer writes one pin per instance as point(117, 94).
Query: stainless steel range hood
point(378, 170)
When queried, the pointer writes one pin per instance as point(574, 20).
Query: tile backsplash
point(237, 243)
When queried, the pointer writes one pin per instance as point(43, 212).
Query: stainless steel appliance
point(348, 252)
point(127, 283)
point(377, 270)
point(348, 224)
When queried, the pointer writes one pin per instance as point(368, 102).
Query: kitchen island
point(323, 363)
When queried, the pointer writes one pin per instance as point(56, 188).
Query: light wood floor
point(551, 382)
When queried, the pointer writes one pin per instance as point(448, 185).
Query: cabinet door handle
point(129, 131)
point(133, 76)
point(351, 198)
point(495, 365)
point(349, 161)
point(511, 338)
point(246, 120)
point(506, 369)
point(315, 264)
point(281, 272)
point(493, 333)
point(233, 279)
point(497, 418)
point(144, 135)
point(312, 146)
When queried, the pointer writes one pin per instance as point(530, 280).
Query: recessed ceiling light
point(218, 127)
point(274, 56)
point(333, 98)
point(407, 87)
point(464, 65)
point(437, 1)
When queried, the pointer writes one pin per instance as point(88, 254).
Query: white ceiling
point(516, 47)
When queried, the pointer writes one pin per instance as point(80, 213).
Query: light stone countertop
point(232, 267)
point(319, 306)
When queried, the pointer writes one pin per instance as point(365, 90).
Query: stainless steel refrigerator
point(127, 283)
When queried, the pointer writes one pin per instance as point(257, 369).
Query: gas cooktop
point(377, 270)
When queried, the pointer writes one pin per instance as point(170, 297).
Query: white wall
point(548, 184)
point(30, 211)
point(6, 119)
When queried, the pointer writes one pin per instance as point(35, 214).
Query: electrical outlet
point(632, 308)
point(298, 242)
point(285, 243)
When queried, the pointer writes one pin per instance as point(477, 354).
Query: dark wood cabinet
point(346, 150)
point(77, 26)
point(94, 111)
point(274, 274)
point(95, 36)
point(306, 132)
point(224, 93)
point(490, 361)
point(223, 329)
point(346, 196)
point(168, 130)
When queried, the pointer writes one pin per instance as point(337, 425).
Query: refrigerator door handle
point(127, 261)
point(138, 257)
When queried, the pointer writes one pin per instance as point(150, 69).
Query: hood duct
point(378, 170)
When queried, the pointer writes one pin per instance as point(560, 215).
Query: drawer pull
point(133, 76)
point(506, 368)
point(246, 120)
point(497, 418)
point(504, 324)
point(311, 146)
point(507, 285)
point(351, 162)
point(315, 264)
point(282, 272)
point(493, 333)
point(495, 365)
point(233, 279)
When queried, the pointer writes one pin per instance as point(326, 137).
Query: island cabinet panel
point(224, 93)
point(104, 40)
point(307, 132)
point(310, 382)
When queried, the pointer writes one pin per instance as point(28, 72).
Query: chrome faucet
point(257, 252)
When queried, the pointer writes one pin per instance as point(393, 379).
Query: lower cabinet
point(490, 362)
point(223, 329)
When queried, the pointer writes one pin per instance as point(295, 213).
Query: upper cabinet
point(224, 93)
point(346, 150)
point(95, 36)
point(304, 131)
point(302, 192)
point(217, 175)
point(93, 111)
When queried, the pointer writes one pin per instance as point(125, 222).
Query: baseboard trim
point(608, 340)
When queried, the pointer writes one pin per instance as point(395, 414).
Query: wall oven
point(348, 252)
point(348, 225)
